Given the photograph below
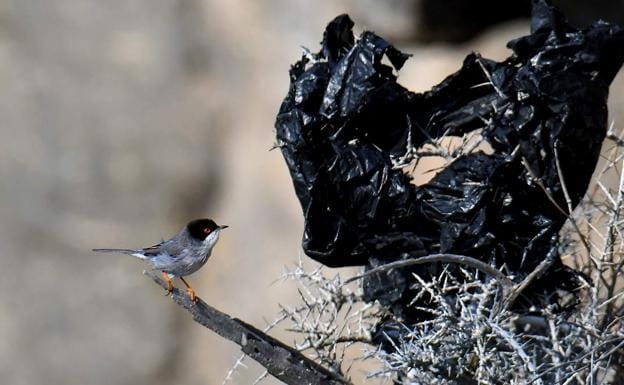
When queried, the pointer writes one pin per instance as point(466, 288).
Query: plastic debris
point(346, 121)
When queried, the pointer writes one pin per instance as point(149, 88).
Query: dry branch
point(445, 258)
point(280, 360)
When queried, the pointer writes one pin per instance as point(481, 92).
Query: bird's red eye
point(207, 230)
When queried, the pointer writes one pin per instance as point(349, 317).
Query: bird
point(182, 255)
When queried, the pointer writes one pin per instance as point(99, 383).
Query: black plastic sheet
point(346, 118)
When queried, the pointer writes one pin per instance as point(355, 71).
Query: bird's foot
point(191, 294)
point(189, 290)
point(168, 282)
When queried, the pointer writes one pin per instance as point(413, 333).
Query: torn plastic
point(346, 120)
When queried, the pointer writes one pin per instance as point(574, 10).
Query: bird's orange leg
point(168, 281)
point(189, 289)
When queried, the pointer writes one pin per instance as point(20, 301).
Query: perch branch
point(280, 360)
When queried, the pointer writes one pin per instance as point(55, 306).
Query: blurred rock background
point(121, 121)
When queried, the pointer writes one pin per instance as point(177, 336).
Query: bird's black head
point(200, 228)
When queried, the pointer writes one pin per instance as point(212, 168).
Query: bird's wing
point(153, 250)
point(167, 247)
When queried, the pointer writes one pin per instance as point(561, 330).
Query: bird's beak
point(223, 227)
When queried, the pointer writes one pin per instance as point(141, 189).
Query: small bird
point(181, 255)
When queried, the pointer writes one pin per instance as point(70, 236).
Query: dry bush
point(472, 337)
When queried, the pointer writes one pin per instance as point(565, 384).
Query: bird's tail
point(123, 251)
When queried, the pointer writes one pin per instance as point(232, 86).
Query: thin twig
point(489, 78)
point(554, 202)
point(538, 180)
point(535, 274)
point(568, 200)
point(445, 258)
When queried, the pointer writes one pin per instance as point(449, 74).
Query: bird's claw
point(168, 282)
point(191, 294)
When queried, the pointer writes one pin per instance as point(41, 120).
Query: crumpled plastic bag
point(346, 118)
